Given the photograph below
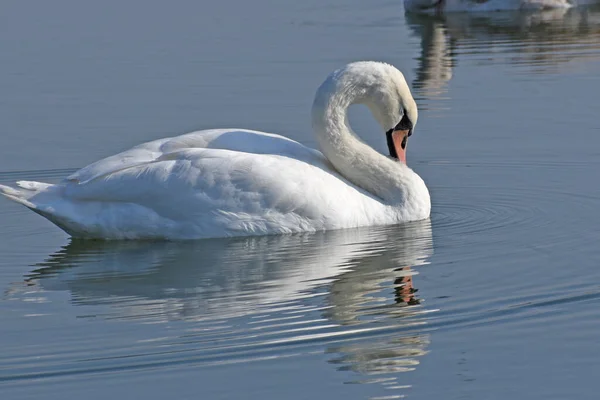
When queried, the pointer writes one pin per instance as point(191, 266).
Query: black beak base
point(403, 125)
point(390, 143)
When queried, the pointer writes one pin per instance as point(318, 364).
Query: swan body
point(235, 182)
point(441, 6)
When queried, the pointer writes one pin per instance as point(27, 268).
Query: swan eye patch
point(403, 125)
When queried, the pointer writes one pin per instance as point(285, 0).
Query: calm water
point(496, 297)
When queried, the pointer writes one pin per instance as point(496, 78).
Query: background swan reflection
point(545, 42)
point(351, 293)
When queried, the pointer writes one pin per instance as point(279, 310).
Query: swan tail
point(18, 195)
point(87, 219)
point(33, 186)
point(29, 192)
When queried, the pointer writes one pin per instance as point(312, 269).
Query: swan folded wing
point(143, 154)
point(198, 181)
point(137, 156)
point(246, 141)
point(239, 140)
point(224, 191)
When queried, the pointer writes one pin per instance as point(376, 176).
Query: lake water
point(497, 296)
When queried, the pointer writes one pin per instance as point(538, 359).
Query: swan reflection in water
point(351, 291)
point(543, 41)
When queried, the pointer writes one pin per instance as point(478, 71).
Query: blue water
point(495, 297)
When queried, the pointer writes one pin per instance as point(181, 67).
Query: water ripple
point(240, 300)
point(47, 175)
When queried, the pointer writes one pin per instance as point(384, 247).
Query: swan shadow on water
point(545, 40)
point(358, 281)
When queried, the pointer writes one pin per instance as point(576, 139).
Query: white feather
point(232, 182)
point(437, 6)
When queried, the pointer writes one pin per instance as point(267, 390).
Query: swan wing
point(212, 192)
point(240, 140)
point(168, 189)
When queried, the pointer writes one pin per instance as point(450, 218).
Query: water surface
point(495, 297)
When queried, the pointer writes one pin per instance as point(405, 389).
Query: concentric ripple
point(500, 213)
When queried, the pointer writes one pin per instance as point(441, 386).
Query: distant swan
point(438, 6)
point(231, 182)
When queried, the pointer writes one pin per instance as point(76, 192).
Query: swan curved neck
point(391, 181)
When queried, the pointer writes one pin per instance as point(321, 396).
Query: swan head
point(391, 103)
point(383, 89)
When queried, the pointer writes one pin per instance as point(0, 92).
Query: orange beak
point(399, 139)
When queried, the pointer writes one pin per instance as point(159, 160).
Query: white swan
point(441, 6)
point(226, 182)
